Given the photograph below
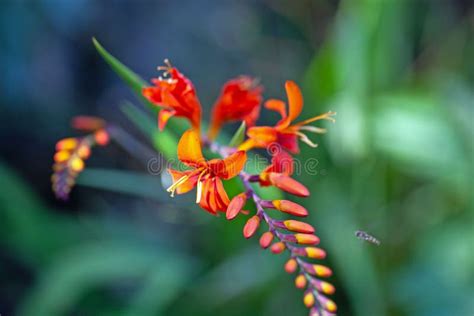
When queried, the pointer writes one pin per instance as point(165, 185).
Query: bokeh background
point(398, 162)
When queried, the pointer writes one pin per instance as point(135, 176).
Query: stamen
point(199, 187)
point(306, 140)
point(313, 129)
point(175, 185)
point(326, 116)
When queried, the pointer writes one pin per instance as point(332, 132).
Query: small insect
point(367, 237)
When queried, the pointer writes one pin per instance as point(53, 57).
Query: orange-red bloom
point(205, 175)
point(176, 95)
point(239, 101)
point(283, 132)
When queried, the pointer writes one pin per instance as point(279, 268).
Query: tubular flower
point(278, 174)
point(205, 175)
point(176, 95)
point(239, 101)
point(284, 132)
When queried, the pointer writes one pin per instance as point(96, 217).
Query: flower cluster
point(73, 151)
point(240, 100)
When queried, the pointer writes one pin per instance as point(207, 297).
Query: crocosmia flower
point(176, 95)
point(205, 175)
point(239, 101)
point(285, 132)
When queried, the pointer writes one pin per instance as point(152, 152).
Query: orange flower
point(239, 100)
point(283, 132)
point(176, 95)
point(205, 175)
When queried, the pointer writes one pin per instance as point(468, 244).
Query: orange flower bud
point(307, 239)
point(300, 281)
point(251, 226)
point(288, 184)
point(326, 288)
point(266, 240)
point(308, 299)
point(76, 164)
point(84, 151)
point(291, 265)
point(101, 137)
point(62, 156)
point(289, 207)
point(277, 247)
point(87, 123)
point(327, 304)
point(235, 206)
point(66, 144)
point(315, 253)
point(321, 271)
point(297, 226)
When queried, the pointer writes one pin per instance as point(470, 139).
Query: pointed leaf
point(239, 136)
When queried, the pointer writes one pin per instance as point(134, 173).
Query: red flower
point(176, 95)
point(239, 101)
point(283, 132)
point(205, 175)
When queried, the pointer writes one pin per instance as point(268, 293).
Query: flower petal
point(189, 149)
point(187, 185)
point(295, 103)
point(229, 167)
point(262, 136)
point(277, 106)
point(163, 118)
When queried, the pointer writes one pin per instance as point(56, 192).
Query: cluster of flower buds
point(73, 151)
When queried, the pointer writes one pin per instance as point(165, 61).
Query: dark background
point(398, 162)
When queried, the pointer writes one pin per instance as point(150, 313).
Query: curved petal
point(229, 167)
point(295, 103)
point(163, 118)
point(189, 149)
point(186, 185)
point(277, 106)
point(262, 135)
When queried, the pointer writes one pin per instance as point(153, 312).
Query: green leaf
point(239, 135)
point(165, 141)
point(134, 81)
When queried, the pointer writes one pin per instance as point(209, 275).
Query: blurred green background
point(398, 162)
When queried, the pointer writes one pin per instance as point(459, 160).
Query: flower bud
point(76, 164)
point(288, 184)
point(101, 137)
point(297, 226)
point(318, 270)
point(235, 206)
point(277, 247)
point(300, 281)
point(251, 226)
point(307, 239)
point(327, 304)
point(62, 156)
point(66, 144)
point(308, 299)
point(291, 265)
point(289, 207)
point(315, 253)
point(266, 240)
point(323, 286)
point(87, 123)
